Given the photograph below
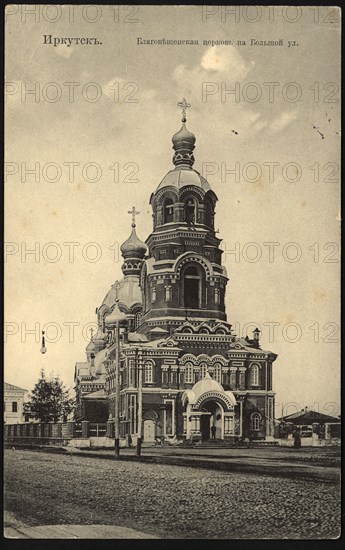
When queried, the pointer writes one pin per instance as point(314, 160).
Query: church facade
point(195, 378)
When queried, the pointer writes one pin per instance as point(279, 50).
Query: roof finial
point(184, 105)
point(134, 212)
point(117, 286)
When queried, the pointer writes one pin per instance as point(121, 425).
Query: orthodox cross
point(91, 332)
point(184, 105)
point(134, 212)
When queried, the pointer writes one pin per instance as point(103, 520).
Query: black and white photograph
point(172, 272)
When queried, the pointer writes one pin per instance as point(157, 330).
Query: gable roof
point(12, 387)
point(308, 417)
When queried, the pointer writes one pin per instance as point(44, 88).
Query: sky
point(98, 132)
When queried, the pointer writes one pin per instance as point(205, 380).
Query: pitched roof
point(308, 417)
point(12, 387)
point(100, 394)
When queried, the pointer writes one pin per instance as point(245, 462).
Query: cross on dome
point(184, 105)
point(91, 332)
point(134, 213)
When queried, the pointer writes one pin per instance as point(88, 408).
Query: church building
point(178, 354)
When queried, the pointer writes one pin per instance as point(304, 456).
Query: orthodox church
point(178, 354)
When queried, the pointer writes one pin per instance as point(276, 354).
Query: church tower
point(181, 371)
point(182, 277)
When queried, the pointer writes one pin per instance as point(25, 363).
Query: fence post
point(39, 430)
point(70, 429)
point(59, 429)
point(85, 429)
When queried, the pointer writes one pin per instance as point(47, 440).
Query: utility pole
point(117, 391)
point(140, 401)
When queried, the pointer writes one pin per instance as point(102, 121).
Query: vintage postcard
point(172, 262)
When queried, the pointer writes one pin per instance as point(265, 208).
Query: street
point(166, 501)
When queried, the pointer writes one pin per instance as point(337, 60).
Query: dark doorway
point(191, 288)
point(205, 427)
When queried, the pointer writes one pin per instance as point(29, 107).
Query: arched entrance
point(212, 417)
point(207, 404)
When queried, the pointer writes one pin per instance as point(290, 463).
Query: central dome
point(180, 177)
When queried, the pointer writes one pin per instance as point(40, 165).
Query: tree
point(49, 400)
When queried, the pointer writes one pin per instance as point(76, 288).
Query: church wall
point(253, 405)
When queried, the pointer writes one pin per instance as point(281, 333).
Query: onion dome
point(116, 316)
point(100, 337)
point(133, 247)
point(183, 142)
point(133, 250)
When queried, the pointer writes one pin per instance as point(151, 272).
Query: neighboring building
point(13, 404)
point(312, 426)
point(196, 373)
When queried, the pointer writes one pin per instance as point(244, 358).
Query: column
point(242, 381)
point(233, 378)
point(184, 423)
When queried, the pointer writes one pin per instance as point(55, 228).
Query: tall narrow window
point(189, 211)
point(255, 421)
point(203, 370)
point(192, 288)
point(14, 406)
point(137, 320)
point(189, 374)
point(153, 294)
point(218, 373)
point(168, 214)
point(255, 375)
point(148, 373)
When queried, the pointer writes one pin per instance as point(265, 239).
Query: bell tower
point(182, 277)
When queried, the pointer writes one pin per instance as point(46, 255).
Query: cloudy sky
point(98, 131)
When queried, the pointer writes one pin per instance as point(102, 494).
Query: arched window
point(203, 370)
point(168, 211)
point(256, 421)
point(148, 373)
point(255, 375)
point(218, 372)
point(189, 373)
point(192, 288)
point(209, 216)
point(189, 211)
